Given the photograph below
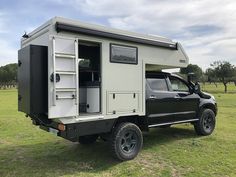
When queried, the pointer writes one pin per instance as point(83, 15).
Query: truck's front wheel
point(206, 124)
point(126, 141)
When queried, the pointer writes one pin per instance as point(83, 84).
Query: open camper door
point(63, 78)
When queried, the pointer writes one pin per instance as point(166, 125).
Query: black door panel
point(169, 108)
point(170, 105)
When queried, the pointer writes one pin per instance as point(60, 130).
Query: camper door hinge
point(19, 63)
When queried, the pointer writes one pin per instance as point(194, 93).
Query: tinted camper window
point(123, 54)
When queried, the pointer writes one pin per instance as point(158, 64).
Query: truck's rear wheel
point(88, 139)
point(126, 141)
point(206, 124)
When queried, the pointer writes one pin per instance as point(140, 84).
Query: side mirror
point(197, 88)
point(191, 77)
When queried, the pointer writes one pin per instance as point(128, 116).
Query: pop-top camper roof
point(75, 26)
point(157, 52)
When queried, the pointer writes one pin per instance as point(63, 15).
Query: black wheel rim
point(208, 122)
point(128, 141)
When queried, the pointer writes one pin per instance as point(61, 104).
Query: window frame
point(181, 80)
point(159, 77)
point(123, 62)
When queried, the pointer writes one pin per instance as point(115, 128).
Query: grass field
point(25, 150)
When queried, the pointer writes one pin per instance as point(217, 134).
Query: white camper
point(81, 80)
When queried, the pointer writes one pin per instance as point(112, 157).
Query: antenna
point(25, 35)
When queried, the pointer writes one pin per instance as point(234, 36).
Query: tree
point(204, 78)
point(234, 77)
point(8, 75)
point(192, 69)
point(211, 77)
point(224, 71)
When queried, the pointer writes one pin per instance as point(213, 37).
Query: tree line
point(8, 76)
point(219, 71)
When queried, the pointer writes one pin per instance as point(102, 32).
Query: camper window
point(123, 54)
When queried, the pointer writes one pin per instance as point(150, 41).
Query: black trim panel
point(76, 29)
point(170, 114)
point(170, 118)
point(73, 131)
point(171, 123)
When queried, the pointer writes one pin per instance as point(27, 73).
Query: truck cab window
point(157, 84)
point(178, 85)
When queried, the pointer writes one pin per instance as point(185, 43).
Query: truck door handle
point(177, 97)
point(152, 97)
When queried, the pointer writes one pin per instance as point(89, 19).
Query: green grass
point(25, 150)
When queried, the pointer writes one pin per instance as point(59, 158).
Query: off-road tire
point(206, 123)
point(126, 141)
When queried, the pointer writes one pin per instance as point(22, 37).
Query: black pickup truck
point(169, 100)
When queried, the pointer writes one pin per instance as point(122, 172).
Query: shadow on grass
point(66, 158)
point(160, 136)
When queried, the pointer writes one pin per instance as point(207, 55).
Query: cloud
point(107, 7)
point(8, 53)
point(200, 30)
point(206, 28)
point(3, 21)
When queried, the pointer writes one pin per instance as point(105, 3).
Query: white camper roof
point(64, 24)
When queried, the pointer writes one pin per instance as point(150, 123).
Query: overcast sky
point(206, 28)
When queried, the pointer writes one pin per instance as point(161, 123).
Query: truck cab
point(176, 99)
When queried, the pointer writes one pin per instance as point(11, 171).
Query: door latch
point(177, 96)
point(152, 97)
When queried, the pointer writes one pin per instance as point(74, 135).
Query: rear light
point(61, 127)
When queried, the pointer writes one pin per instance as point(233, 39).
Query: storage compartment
point(32, 79)
point(122, 102)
